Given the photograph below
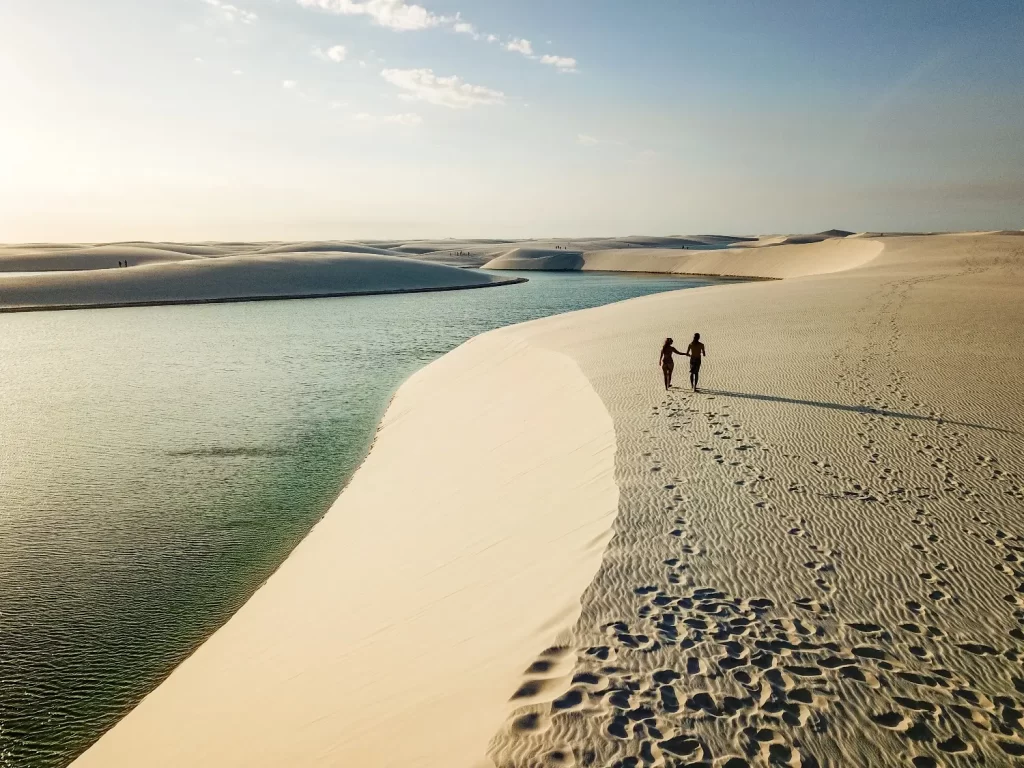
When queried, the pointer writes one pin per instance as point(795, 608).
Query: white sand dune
point(538, 258)
point(777, 261)
point(817, 561)
point(194, 279)
point(477, 253)
point(328, 247)
point(76, 258)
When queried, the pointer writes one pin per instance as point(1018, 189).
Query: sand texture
point(817, 561)
point(163, 277)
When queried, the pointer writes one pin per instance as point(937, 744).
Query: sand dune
point(538, 258)
point(396, 631)
point(816, 561)
point(76, 258)
point(777, 261)
point(194, 279)
point(327, 247)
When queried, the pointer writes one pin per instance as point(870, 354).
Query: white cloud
point(237, 72)
point(289, 85)
point(452, 92)
point(406, 118)
point(199, 60)
point(402, 16)
point(394, 14)
point(335, 53)
point(362, 64)
point(524, 47)
point(562, 63)
point(232, 13)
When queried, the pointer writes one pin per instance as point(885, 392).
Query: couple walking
point(696, 352)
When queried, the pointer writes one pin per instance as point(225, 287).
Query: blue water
point(157, 464)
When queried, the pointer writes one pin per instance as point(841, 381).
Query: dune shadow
point(865, 409)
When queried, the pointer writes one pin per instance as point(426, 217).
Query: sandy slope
point(192, 279)
point(818, 561)
point(398, 628)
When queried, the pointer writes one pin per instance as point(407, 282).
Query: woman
point(665, 361)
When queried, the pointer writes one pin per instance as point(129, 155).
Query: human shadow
point(865, 409)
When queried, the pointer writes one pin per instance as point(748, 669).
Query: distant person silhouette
point(697, 353)
point(666, 362)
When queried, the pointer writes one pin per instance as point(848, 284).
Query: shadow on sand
point(855, 409)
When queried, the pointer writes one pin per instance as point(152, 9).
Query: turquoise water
point(157, 464)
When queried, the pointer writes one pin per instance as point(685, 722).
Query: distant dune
point(781, 260)
point(538, 258)
point(194, 279)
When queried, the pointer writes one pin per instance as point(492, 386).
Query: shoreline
point(239, 300)
point(487, 575)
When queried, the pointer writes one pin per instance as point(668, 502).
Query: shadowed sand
point(819, 561)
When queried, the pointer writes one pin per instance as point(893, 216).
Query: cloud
point(406, 118)
point(404, 16)
point(525, 47)
point(520, 46)
point(562, 63)
point(393, 14)
point(335, 53)
point(452, 92)
point(232, 13)
point(236, 72)
point(289, 85)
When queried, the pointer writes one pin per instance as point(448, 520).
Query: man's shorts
point(695, 365)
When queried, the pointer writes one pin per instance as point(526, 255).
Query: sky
point(359, 119)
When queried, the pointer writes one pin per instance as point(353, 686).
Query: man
point(697, 352)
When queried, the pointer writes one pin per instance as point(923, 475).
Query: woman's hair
point(667, 342)
point(696, 337)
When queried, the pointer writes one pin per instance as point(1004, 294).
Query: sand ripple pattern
point(820, 560)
